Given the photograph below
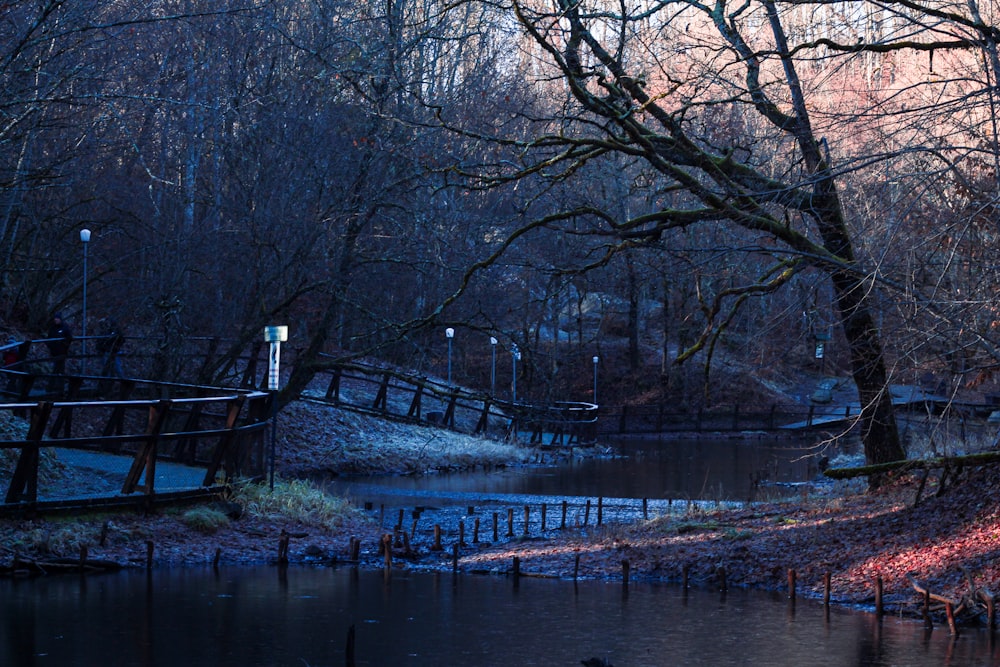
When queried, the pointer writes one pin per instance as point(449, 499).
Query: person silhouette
point(58, 340)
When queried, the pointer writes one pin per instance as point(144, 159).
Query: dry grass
point(59, 538)
point(205, 519)
point(296, 500)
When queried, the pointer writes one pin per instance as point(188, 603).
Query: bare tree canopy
point(669, 179)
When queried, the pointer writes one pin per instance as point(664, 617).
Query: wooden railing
point(92, 439)
point(662, 419)
point(394, 395)
point(78, 451)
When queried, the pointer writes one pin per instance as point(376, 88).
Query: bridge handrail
point(480, 406)
point(230, 440)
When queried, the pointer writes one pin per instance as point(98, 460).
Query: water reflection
point(302, 616)
point(730, 469)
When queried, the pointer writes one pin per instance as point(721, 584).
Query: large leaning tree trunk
point(705, 100)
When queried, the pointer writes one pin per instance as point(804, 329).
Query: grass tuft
point(297, 500)
point(204, 519)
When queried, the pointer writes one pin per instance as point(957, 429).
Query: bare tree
point(633, 89)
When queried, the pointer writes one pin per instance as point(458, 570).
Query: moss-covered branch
point(982, 458)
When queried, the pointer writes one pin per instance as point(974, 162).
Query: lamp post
point(515, 354)
point(85, 239)
point(450, 334)
point(275, 336)
point(493, 367)
point(596, 359)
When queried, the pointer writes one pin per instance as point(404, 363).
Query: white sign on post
point(275, 336)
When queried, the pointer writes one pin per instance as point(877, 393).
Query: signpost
point(275, 335)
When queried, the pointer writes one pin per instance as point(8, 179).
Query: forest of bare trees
point(647, 182)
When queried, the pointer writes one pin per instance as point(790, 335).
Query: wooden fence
point(647, 419)
point(86, 452)
point(654, 419)
point(394, 395)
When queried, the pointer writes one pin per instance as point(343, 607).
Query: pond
point(301, 616)
point(723, 469)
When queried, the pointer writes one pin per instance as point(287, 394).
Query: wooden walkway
point(91, 440)
point(390, 394)
point(135, 447)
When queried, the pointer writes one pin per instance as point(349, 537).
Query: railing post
point(24, 481)
point(382, 398)
point(65, 419)
point(145, 456)
point(333, 389)
point(449, 412)
point(484, 417)
point(414, 410)
point(250, 373)
point(225, 444)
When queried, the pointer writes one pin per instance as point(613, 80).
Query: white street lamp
point(85, 239)
point(450, 334)
point(493, 367)
point(596, 359)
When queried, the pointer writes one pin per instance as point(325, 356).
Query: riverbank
point(837, 529)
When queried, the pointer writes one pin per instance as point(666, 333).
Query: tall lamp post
point(596, 359)
point(275, 336)
point(515, 354)
point(85, 239)
point(450, 334)
point(493, 367)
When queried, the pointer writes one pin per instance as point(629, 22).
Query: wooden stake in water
point(878, 596)
point(527, 519)
point(349, 648)
point(387, 550)
point(565, 506)
point(510, 522)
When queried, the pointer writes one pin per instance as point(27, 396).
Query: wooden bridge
point(388, 393)
point(88, 440)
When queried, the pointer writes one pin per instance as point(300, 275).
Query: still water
point(301, 616)
point(729, 469)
